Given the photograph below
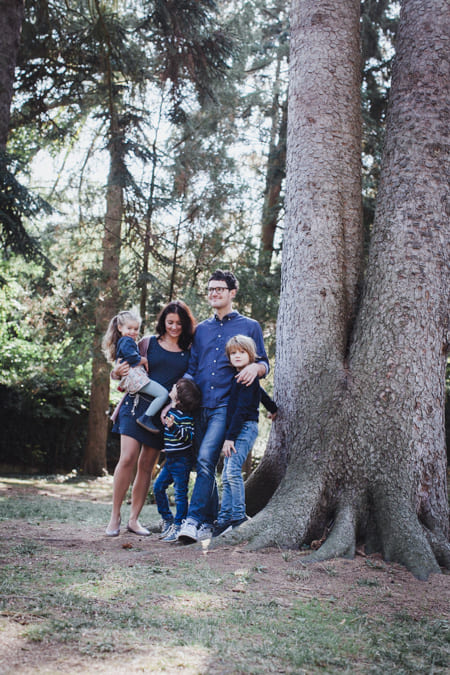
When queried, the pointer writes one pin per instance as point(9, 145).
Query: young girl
point(185, 399)
point(241, 433)
point(119, 342)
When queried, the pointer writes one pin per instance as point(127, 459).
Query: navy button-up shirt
point(209, 366)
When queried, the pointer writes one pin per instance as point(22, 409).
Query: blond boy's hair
point(242, 342)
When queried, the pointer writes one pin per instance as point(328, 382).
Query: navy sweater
point(243, 406)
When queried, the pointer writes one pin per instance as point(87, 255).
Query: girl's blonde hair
point(112, 335)
point(242, 342)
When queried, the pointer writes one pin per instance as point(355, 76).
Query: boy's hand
point(228, 448)
point(169, 421)
point(164, 412)
point(272, 416)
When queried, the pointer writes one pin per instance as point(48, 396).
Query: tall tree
point(11, 16)
point(361, 385)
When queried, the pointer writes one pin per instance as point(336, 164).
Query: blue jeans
point(175, 470)
point(233, 492)
point(210, 429)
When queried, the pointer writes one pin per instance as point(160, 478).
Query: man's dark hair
point(189, 395)
point(227, 276)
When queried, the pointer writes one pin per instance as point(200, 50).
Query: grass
point(182, 616)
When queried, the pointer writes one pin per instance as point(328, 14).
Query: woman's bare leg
point(123, 473)
point(146, 463)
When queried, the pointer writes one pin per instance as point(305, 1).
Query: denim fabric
point(176, 470)
point(233, 493)
point(209, 437)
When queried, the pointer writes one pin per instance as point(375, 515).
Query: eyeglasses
point(217, 289)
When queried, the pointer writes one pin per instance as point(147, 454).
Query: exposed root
point(342, 540)
point(440, 547)
point(402, 536)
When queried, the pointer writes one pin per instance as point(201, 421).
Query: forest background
point(145, 147)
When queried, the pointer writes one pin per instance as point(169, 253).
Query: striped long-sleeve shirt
point(178, 438)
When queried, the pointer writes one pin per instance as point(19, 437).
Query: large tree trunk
point(94, 461)
point(11, 17)
point(362, 424)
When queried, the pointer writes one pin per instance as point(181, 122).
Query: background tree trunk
point(94, 462)
point(11, 17)
point(362, 423)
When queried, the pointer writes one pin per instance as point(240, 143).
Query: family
point(188, 386)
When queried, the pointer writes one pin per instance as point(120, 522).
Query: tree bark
point(11, 17)
point(361, 427)
point(94, 462)
point(108, 298)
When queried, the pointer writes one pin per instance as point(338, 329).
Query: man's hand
point(248, 374)
point(228, 448)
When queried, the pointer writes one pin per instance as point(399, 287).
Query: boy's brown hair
point(188, 395)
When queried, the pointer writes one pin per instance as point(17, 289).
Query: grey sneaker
point(187, 533)
point(172, 534)
point(165, 527)
point(205, 531)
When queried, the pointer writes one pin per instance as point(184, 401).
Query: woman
point(168, 357)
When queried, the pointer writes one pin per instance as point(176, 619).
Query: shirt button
point(212, 373)
point(212, 387)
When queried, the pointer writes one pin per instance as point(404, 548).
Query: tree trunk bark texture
point(11, 16)
point(362, 397)
point(94, 462)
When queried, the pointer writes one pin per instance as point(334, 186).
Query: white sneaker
point(188, 533)
point(205, 531)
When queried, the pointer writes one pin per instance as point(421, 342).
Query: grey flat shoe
point(113, 533)
point(142, 532)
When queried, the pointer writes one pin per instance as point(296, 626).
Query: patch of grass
point(189, 612)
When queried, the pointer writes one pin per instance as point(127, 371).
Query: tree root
point(440, 547)
point(342, 540)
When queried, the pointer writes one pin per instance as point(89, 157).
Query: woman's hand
point(120, 370)
point(144, 362)
point(228, 448)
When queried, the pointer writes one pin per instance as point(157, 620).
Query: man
point(212, 372)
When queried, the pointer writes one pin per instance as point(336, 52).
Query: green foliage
point(16, 204)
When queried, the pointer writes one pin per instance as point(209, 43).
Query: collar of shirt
point(227, 317)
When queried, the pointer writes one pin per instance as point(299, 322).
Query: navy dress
point(164, 367)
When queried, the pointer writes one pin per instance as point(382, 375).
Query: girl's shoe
point(146, 422)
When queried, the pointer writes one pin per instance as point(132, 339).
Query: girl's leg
point(146, 463)
point(159, 490)
point(243, 445)
point(160, 395)
point(123, 473)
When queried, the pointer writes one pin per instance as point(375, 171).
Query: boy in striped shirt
point(178, 434)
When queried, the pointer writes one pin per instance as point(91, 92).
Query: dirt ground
point(381, 589)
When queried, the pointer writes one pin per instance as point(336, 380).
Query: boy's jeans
point(176, 470)
point(209, 436)
point(233, 492)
